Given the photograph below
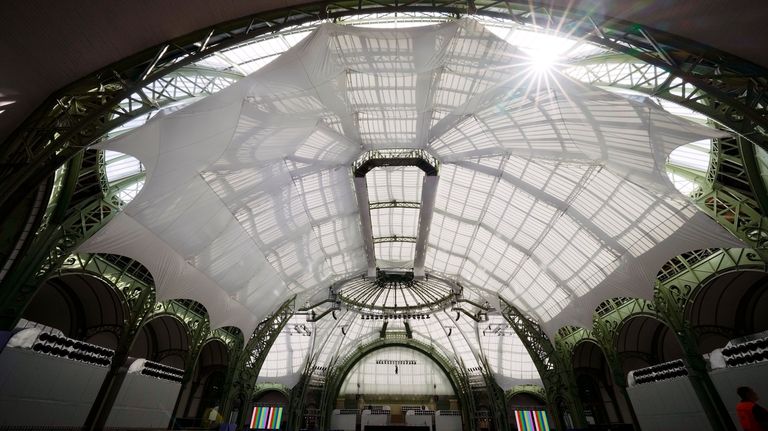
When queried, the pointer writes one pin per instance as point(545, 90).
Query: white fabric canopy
point(552, 194)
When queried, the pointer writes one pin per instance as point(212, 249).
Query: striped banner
point(532, 420)
point(267, 418)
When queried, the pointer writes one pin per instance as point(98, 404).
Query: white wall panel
point(42, 390)
point(447, 421)
point(668, 405)
point(144, 401)
point(343, 421)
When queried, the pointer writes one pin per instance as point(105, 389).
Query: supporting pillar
point(553, 364)
point(496, 398)
point(363, 205)
point(200, 334)
point(245, 364)
point(605, 332)
point(296, 404)
point(428, 195)
point(141, 309)
point(670, 304)
point(47, 253)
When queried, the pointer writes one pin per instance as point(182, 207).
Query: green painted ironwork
point(535, 390)
point(724, 88)
point(245, 364)
point(732, 190)
point(83, 112)
point(341, 366)
point(496, 397)
point(142, 306)
point(677, 284)
point(47, 253)
point(131, 279)
point(298, 397)
point(553, 363)
point(262, 388)
point(681, 277)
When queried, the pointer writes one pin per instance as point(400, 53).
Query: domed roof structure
point(439, 150)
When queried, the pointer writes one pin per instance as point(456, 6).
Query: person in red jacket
point(752, 416)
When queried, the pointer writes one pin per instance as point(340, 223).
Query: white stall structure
point(447, 420)
point(419, 418)
point(668, 405)
point(144, 402)
point(48, 379)
point(344, 419)
point(727, 380)
point(374, 417)
point(43, 390)
point(668, 401)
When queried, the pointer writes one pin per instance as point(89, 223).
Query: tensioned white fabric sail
point(552, 194)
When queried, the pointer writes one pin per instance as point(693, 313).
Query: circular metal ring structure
point(396, 293)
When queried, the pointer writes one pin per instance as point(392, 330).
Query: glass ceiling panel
point(395, 221)
point(119, 166)
point(532, 201)
point(395, 371)
point(125, 175)
point(288, 354)
point(695, 155)
point(509, 360)
point(394, 254)
point(387, 128)
point(395, 184)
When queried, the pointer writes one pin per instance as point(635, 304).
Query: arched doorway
point(82, 306)
point(729, 306)
point(398, 377)
point(644, 341)
point(595, 385)
point(164, 339)
point(209, 377)
point(448, 368)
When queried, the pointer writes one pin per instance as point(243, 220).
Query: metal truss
point(341, 365)
point(388, 294)
point(394, 204)
point(393, 238)
point(396, 157)
point(496, 397)
point(81, 113)
point(245, 364)
point(468, 404)
point(298, 397)
point(677, 285)
point(724, 87)
point(553, 364)
point(48, 251)
point(84, 112)
point(535, 390)
point(130, 279)
point(263, 388)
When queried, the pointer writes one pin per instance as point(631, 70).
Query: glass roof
point(395, 293)
point(125, 175)
point(453, 334)
point(551, 195)
point(288, 355)
point(396, 370)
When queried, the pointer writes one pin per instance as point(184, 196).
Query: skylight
point(125, 175)
point(551, 197)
